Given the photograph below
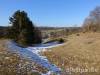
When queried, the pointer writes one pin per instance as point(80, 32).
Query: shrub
point(61, 40)
point(77, 34)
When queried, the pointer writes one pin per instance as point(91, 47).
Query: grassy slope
point(13, 64)
point(81, 51)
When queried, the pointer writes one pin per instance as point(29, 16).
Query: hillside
point(82, 51)
point(13, 64)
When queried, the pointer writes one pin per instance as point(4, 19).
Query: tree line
point(92, 22)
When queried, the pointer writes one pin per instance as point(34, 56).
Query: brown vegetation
point(13, 64)
point(79, 51)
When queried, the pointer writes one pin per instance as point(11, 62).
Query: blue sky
point(49, 12)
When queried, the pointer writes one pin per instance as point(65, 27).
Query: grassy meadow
point(81, 50)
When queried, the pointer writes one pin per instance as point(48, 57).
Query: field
point(81, 50)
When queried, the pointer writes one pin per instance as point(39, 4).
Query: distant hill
point(47, 31)
point(3, 31)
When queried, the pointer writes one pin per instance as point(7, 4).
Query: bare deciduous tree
point(92, 22)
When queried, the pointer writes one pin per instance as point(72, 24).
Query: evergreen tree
point(22, 30)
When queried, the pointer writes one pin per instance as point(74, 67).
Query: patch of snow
point(33, 54)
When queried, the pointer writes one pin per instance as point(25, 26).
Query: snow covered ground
point(33, 54)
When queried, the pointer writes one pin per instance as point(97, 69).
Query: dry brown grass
point(13, 64)
point(80, 51)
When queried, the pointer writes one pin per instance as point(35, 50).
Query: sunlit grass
point(80, 51)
